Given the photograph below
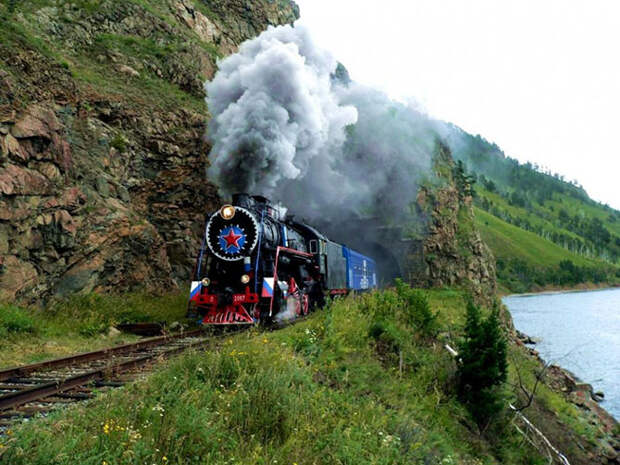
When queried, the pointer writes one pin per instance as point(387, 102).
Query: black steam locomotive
point(258, 265)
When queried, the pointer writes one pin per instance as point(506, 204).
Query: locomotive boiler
point(256, 264)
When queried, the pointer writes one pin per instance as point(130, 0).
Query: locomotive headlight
point(245, 279)
point(227, 212)
point(205, 282)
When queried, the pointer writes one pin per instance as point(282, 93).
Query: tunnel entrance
point(388, 267)
point(396, 255)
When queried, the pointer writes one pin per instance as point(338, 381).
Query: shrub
point(93, 328)
point(15, 320)
point(417, 310)
point(119, 143)
point(483, 367)
point(390, 337)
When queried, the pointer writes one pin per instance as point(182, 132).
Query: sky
point(539, 78)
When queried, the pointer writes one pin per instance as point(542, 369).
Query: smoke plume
point(288, 123)
point(275, 117)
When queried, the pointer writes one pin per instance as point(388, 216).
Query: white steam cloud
point(274, 113)
point(287, 123)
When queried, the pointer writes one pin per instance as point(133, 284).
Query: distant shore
point(582, 287)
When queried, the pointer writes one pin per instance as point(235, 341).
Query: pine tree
point(483, 367)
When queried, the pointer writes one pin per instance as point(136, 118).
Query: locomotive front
point(236, 269)
point(225, 290)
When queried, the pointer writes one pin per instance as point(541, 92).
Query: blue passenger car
point(361, 270)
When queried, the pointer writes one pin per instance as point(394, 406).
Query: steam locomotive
point(256, 264)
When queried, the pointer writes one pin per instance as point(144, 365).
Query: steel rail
point(94, 355)
point(41, 391)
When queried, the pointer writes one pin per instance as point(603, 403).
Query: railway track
point(39, 388)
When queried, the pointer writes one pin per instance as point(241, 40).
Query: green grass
point(528, 262)
point(544, 217)
point(135, 46)
point(14, 320)
point(508, 241)
point(329, 390)
point(144, 90)
point(363, 381)
point(541, 215)
point(78, 324)
point(16, 35)
point(148, 48)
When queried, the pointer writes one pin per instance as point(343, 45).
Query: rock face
point(452, 253)
point(102, 150)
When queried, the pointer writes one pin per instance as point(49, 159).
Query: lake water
point(579, 331)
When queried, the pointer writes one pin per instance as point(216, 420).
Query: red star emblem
point(232, 239)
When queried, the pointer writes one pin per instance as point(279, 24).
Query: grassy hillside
point(359, 382)
point(544, 230)
point(527, 261)
point(512, 242)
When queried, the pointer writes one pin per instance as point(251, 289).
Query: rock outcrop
point(452, 253)
point(102, 148)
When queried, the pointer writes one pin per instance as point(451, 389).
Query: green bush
point(483, 368)
point(15, 320)
point(119, 143)
point(388, 335)
point(417, 310)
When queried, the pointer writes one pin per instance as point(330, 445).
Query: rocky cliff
point(452, 253)
point(102, 150)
